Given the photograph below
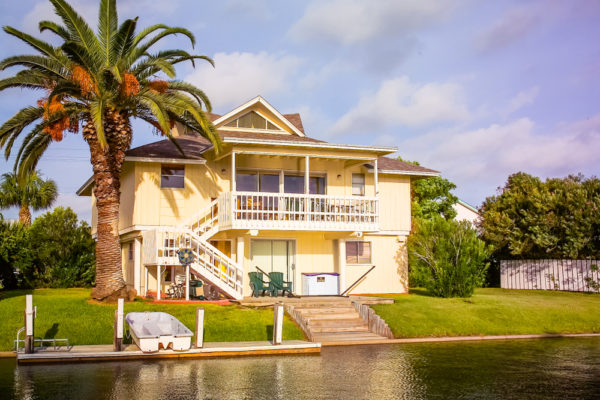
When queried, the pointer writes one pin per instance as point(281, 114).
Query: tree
point(27, 191)
point(530, 218)
point(431, 197)
point(64, 251)
point(447, 257)
point(99, 81)
point(15, 253)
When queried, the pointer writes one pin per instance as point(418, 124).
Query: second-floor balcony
point(290, 211)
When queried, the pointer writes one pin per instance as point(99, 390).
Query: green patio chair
point(279, 284)
point(258, 284)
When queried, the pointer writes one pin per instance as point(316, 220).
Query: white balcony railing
point(288, 211)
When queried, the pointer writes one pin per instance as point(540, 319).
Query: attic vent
point(253, 120)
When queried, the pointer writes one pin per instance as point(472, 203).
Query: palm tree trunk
point(107, 164)
point(25, 215)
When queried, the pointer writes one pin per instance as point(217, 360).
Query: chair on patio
point(279, 284)
point(258, 284)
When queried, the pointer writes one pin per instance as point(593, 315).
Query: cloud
point(377, 36)
point(401, 102)
point(480, 160)
point(238, 77)
point(521, 99)
point(349, 22)
point(515, 24)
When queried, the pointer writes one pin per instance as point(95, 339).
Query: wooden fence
point(568, 275)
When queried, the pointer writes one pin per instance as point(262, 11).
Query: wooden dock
point(96, 353)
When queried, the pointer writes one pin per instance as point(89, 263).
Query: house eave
point(319, 145)
point(399, 172)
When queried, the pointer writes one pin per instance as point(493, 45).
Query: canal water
point(526, 369)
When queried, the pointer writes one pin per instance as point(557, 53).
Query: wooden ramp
point(335, 321)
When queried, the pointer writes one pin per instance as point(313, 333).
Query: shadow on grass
point(51, 333)
point(7, 294)
point(420, 292)
point(269, 332)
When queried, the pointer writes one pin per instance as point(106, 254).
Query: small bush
point(447, 257)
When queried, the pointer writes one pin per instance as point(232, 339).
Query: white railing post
point(277, 323)
point(118, 327)
point(29, 322)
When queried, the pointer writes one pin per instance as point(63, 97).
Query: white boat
point(150, 330)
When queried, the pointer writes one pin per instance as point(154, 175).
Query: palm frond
point(41, 63)
point(12, 128)
point(79, 29)
point(97, 114)
point(107, 27)
point(40, 45)
point(123, 40)
point(56, 29)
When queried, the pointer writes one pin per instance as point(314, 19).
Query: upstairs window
point(172, 176)
point(316, 185)
point(257, 182)
point(358, 252)
point(253, 120)
point(358, 184)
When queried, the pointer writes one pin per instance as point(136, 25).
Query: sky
point(475, 89)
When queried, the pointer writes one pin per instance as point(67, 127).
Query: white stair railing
point(210, 263)
point(204, 220)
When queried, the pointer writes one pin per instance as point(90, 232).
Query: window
point(130, 251)
point(257, 182)
point(246, 181)
point(172, 176)
point(293, 184)
point(358, 252)
point(316, 185)
point(269, 183)
point(252, 120)
point(358, 184)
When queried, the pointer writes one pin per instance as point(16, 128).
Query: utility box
point(321, 284)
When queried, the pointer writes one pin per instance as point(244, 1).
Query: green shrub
point(63, 251)
point(447, 257)
point(15, 253)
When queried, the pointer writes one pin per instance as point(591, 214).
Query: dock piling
point(29, 324)
point(199, 328)
point(118, 327)
point(277, 323)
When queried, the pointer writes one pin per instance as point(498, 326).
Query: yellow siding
point(127, 196)
point(394, 203)
point(391, 268)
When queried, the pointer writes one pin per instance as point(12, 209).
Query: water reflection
point(536, 369)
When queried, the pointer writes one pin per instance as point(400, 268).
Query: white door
point(274, 256)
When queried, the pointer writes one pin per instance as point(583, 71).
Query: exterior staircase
point(338, 321)
point(210, 264)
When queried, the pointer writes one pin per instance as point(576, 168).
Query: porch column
point(187, 282)
point(239, 256)
point(233, 171)
point(137, 265)
point(146, 281)
point(158, 279)
point(376, 173)
point(306, 174)
point(342, 263)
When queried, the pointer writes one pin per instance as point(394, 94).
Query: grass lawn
point(67, 313)
point(492, 311)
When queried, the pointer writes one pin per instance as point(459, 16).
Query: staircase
point(333, 321)
point(210, 264)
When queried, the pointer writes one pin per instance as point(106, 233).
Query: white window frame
point(359, 241)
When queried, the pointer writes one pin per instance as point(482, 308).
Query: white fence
point(568, 275)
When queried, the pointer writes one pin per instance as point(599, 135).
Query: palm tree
point(99, 81)
point(28, 191)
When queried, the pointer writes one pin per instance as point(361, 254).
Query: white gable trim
point(258, 99)
point(281, 131)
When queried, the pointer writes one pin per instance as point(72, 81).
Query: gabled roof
point(264, 103)
point(388, 165)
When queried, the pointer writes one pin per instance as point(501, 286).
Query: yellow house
point(273, 200)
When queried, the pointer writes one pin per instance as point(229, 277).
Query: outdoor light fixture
point(223, 170)
point(339, 176)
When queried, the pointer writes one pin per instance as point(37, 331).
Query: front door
point(274, 256)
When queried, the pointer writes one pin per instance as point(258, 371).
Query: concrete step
point(346, 337)
point(337, 323)
point(333, 329)
point(322, 305)
point(316, 317)
point(325, 310)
